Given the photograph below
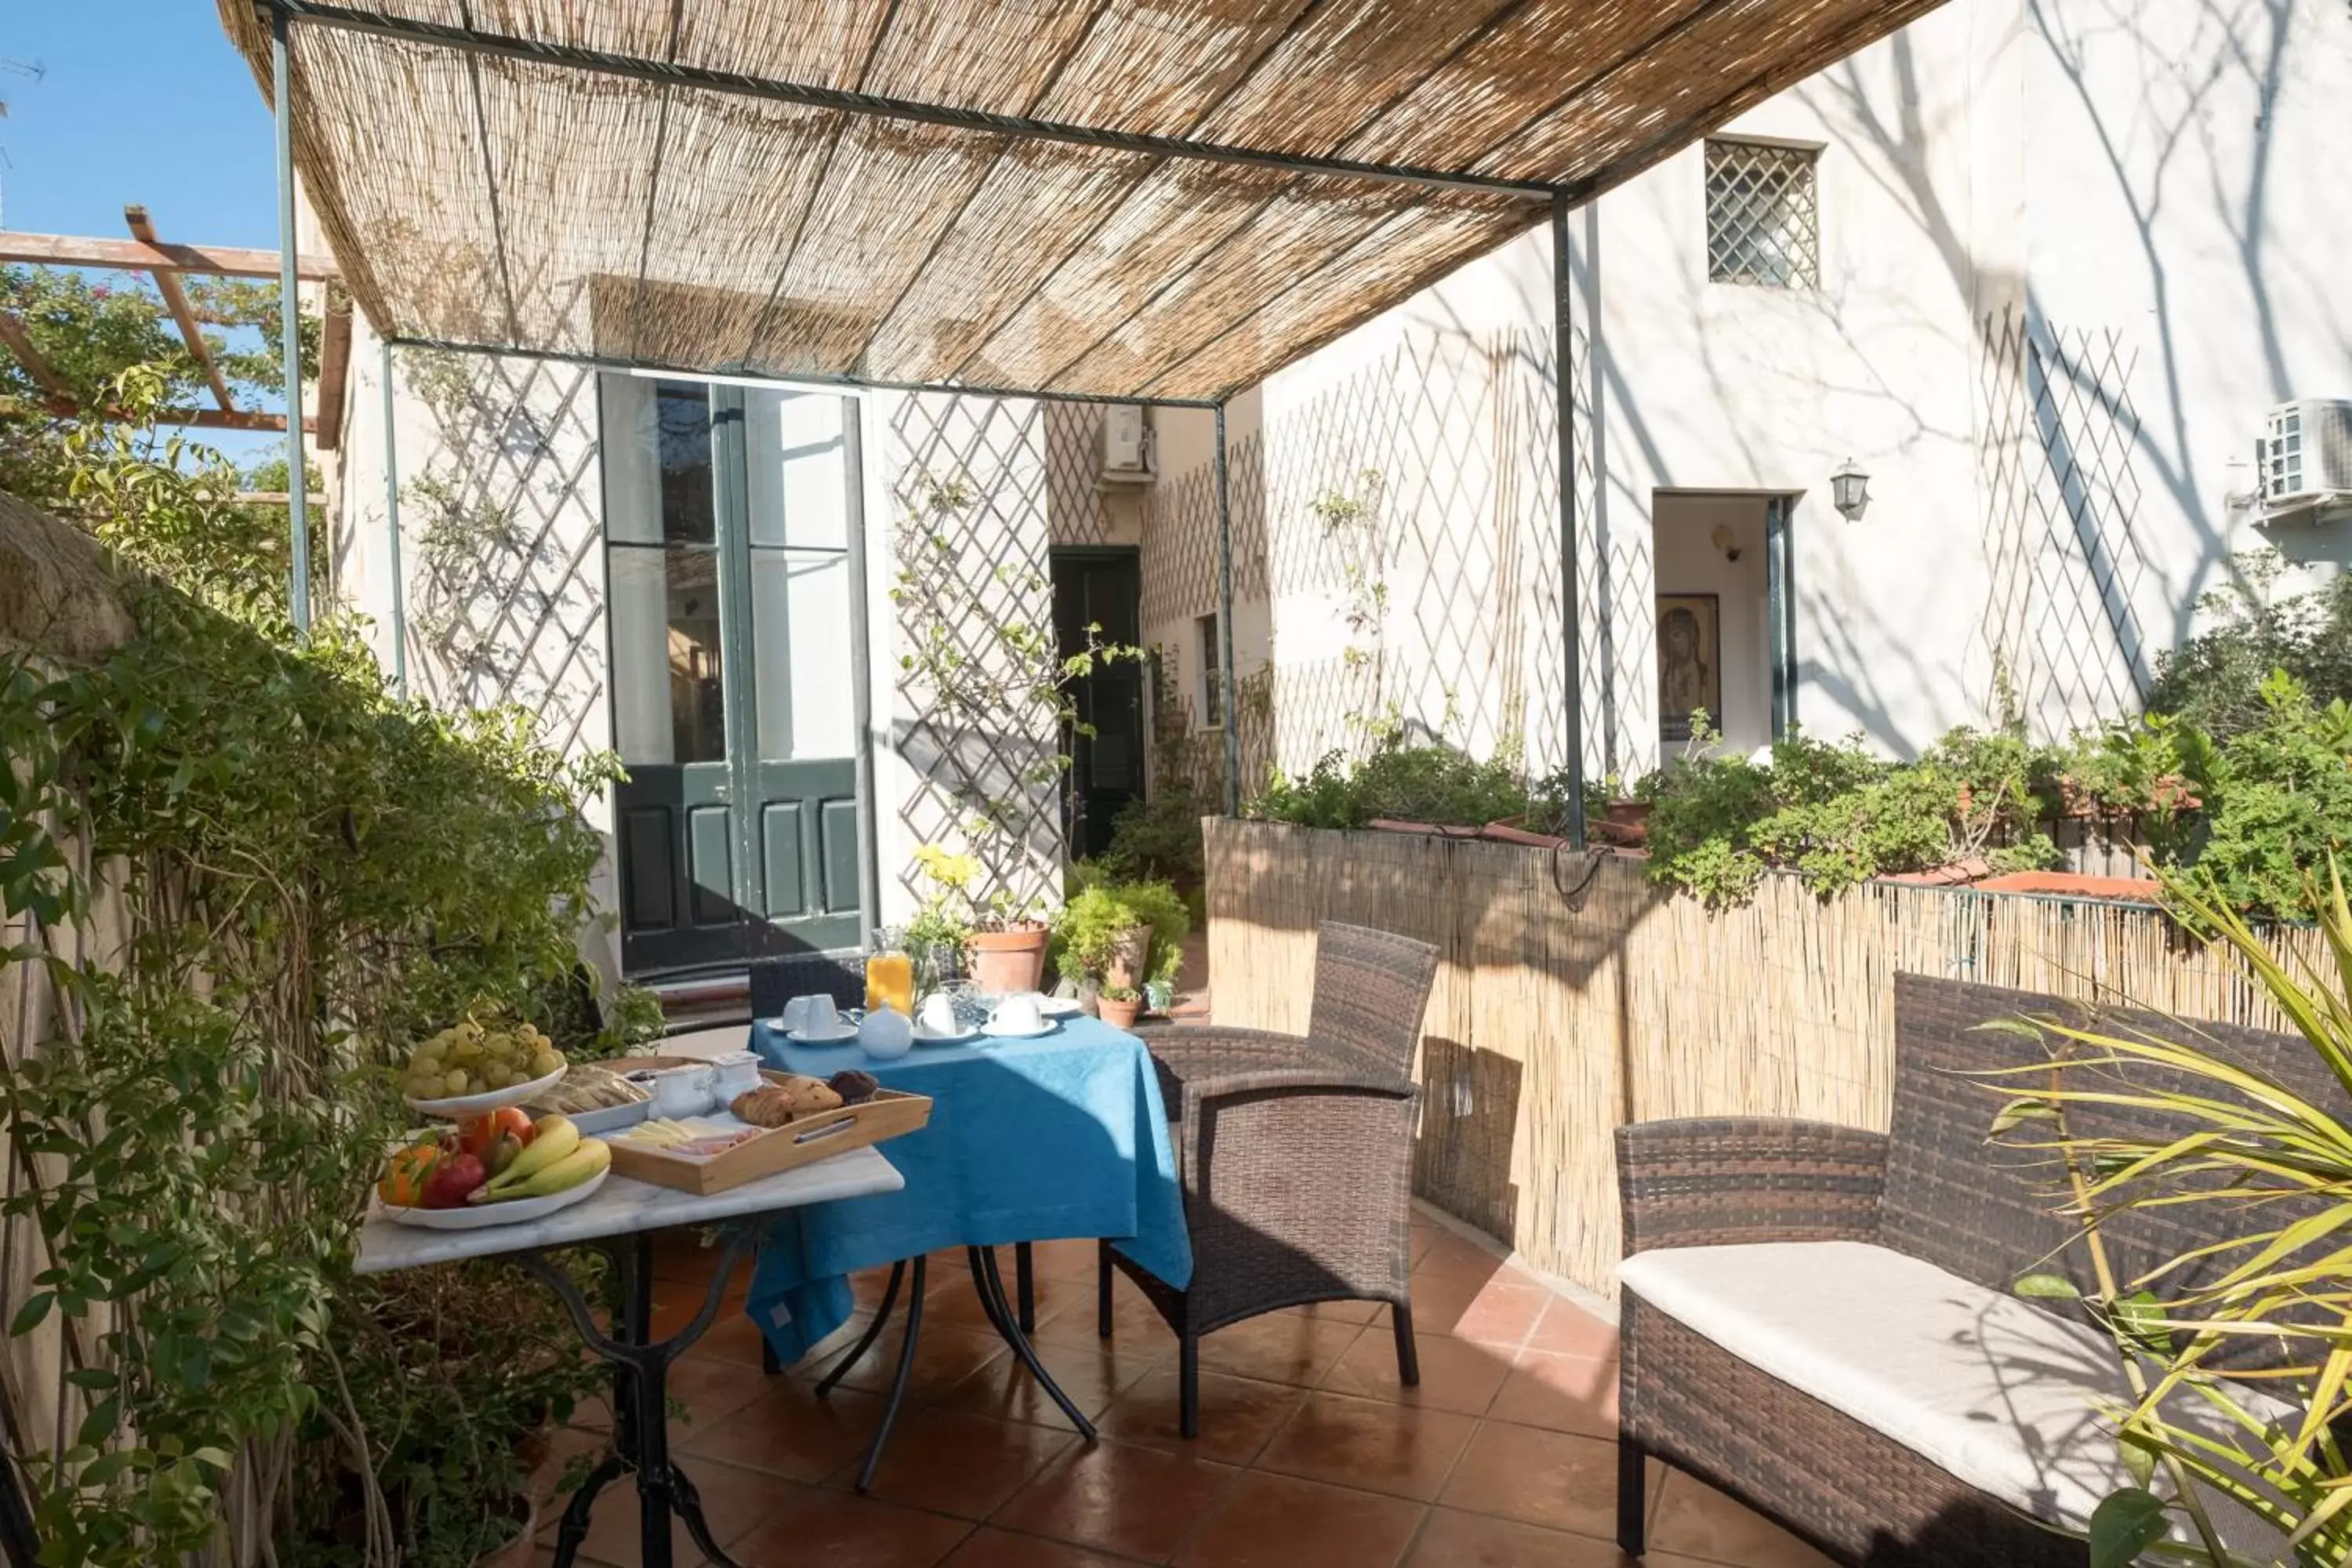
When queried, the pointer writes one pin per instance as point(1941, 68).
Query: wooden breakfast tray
point(804, 1140)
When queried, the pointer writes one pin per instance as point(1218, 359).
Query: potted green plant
point(1118, 1004)
point(1118, 935)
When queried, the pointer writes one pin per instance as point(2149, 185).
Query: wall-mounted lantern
point(1849, 491)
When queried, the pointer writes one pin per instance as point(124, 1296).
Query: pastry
point(784, 1099)
point(854, 1087)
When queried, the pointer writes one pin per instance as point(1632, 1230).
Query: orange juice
point(890, 983)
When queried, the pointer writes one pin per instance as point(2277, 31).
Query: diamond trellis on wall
point(502, 521)
point(2060, 629)
point(1763, 215)
point(996, 568)
point(1441, 458)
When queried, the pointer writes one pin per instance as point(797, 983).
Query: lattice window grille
point(1763, 215)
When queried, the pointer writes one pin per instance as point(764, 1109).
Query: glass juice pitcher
point(890, 980)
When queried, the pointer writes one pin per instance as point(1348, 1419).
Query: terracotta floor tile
point(1694, 1520)
point(789, 1432)
point(1366, 1444)
point(732, 1337)
point(1456, 1539)
point(841, 1530)
point(1137, 1502)
point(1072, 1259)
point(992, 1548)
point(713, 1390)
point(734, 1501)
point(1343, 1311)
point(952, 1300)
point(1424, 1236)
point(944, 1357)
point(1276, 1521)
point(1238, 1415)
point(1565, 1393)
point(1569, 1329)
point(1092, 1375)
point(1455, 1374)
point(1135, 1327)
point(951, 1462)
point(1277, 1348)
point(1450, 1254)
point(1556, 1480)
point(1494, 1311)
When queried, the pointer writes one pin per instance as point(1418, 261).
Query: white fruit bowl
point(514, 1211)
point(462, 1107)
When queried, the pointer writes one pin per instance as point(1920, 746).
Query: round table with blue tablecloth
point(1061, 1136)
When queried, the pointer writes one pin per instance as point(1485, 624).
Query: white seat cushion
point(2009, 1398)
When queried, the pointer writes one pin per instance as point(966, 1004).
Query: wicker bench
point(1819, 1321)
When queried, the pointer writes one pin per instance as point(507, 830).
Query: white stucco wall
point(2071, 253)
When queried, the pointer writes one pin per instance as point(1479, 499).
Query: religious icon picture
point(1690, 663)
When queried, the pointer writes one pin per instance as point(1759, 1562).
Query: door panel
point(730, 514)
point(1102, 589)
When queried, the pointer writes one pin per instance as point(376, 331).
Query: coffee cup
point(937, 1015)
point(1019, 1015)
point(815, 1017)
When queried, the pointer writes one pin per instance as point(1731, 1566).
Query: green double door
point(732, 529)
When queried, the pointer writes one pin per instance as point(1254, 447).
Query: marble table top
point(623, 1206)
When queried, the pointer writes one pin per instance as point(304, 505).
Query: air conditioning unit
point(2306, 458)
point(1130, 454)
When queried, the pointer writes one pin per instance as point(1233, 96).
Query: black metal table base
point(640, 1396)
point(1010, 1323)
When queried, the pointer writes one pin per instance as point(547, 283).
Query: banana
point(551, 1139)
point(584, 1163)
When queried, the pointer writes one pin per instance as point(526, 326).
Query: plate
point(925, 1037)
point(468, 1105)
point(842, 1034)
point(477, 1216)
point(997, 1031)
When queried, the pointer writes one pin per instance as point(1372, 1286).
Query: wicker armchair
point(1296, 1153)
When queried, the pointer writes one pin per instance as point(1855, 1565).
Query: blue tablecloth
point(1028, 1140)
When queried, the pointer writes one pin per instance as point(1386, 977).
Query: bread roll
point(775, 1104)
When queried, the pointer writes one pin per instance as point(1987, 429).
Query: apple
point(453, 1177)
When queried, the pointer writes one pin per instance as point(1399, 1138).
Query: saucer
point(842, 1034)
point(997, 1031)
point(925, 1037)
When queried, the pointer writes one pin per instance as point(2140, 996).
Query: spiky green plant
point(2278, 1163)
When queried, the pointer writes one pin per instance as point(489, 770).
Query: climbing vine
point(237, 877)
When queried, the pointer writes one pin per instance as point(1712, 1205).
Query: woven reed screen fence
point(1554, 1020)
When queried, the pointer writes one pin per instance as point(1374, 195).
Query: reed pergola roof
point(1115, 198)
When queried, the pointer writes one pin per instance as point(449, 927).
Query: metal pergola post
point(1228, 674)
point(392, 527)
point(1571, 629)
point(289, 311)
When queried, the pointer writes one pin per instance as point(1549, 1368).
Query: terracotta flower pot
point(1120, 1014)
point(1124, 967)
point(1006, 961)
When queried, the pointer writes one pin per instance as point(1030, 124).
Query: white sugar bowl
point(886, 1034)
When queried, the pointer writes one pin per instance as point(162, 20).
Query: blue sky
point(141, 101)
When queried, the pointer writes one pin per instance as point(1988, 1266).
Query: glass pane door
point(730, 521)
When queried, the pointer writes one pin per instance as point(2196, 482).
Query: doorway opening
point(1101, 587)
point(1724, 629)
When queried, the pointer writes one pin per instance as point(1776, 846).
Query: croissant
point(777, 1103)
